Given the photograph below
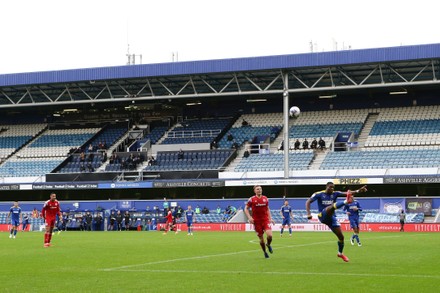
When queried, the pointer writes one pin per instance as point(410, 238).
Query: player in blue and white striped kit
point(189, 218)
point(286, 214)
point(353, 210)
point(16, 218)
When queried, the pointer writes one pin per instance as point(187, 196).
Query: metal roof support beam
point(209, 85)
point(60, 95)
point(320, 78)
point(226, 86)
point(193, 85)
point(7, 97)
point(85, 93)
point(370, 74)
point(346, 76)
point(272, 82)
point(418, 73)
point(167, 89)
point(300, 80)
point(44, 94)
point(253, 83)
point(397, 73)
point(237, 82)
point(186, 84)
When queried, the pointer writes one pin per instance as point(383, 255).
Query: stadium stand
point(266, 125)
point(190, 160)
point(196, 131)
point(275, 162)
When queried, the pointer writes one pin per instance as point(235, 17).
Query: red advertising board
point(7, 227)
point(209, 227)
point(313, 227)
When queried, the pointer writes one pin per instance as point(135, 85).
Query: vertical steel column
point(286, 144)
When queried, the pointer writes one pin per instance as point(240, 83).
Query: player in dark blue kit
point(327, 205)
point(189, 218)
point(353, 210)
point(16, 218)
point(286, 215)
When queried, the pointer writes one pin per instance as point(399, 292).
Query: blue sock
point(15, 232)
point(282, 230)
point(290, 230)
point(340, 246)
point(357, 238)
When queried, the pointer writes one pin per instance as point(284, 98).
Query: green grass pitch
point(218, 262)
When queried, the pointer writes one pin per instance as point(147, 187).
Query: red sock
point(45, 237)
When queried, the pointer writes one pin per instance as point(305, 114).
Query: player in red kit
point(49, 213)
point(169, 222)
point(261, 218)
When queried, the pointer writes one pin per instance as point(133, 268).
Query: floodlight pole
point(286, 144)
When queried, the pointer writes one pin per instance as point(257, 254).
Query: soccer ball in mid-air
point(294, 112)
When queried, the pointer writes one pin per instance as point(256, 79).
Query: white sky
point(55, 34)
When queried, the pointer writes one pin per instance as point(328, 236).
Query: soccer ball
point(294, 112)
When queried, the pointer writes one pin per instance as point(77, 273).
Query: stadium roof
point(399, 68)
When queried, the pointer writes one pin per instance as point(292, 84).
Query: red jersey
point(169, 217)
point(51, 209)
point(259, 206)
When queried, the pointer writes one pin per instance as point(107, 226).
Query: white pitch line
point(127, 267)
point(286, 273)
point(122, 268)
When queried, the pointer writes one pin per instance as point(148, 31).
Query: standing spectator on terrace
point(314, 144)
point(197, 210)
point(25, 222)
point(90, 167)
point(402, 220)
point(119, 221)
point(219, 210)
point(90, 148)
point(127, 220)
point(261, 218)
point(327, 206)
point(180, 155)
point(286, 215)
point(214, 145)
point(244, 123)
point(321, 143)
point(246, 154)
point(51, 209)
point(297, 144)
point(305, 144)
point(104, 157)
point(114, 158)
point(352, 210)
point(16, 218)
point(82, 157)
